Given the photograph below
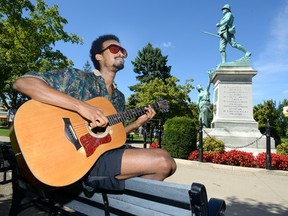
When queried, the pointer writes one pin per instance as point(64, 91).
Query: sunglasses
point(113, 48)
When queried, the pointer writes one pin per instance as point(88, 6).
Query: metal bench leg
point(17, 197)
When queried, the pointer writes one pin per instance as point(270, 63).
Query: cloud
point(167, 44)
point(272, 67)
point(275, 55)
point(280, 32)
point(272, 63)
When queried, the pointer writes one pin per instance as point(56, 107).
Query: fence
point(268, 143)
point(148, 133)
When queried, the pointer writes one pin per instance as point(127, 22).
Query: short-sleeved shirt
point(80, 85)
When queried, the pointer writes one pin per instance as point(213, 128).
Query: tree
point(87, 67)
point(176, 95)
point(155, 81)
point(150, 64)
point(268, 111)
point(27, 35)
point(283, 122)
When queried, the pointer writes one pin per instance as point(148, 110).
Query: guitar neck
point(129, 114)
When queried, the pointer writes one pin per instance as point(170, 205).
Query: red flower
point(154, 145)
point(240, 158)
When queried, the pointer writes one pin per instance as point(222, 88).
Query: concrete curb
point(4, 139)
point(256, 171)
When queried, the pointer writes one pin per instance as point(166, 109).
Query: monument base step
point(239, 139)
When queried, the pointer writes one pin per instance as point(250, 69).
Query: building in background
point(3, 115)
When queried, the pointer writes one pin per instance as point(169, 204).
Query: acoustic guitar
point(59, 147)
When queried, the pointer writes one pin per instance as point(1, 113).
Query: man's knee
point(167, 164)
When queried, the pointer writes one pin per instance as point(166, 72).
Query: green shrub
point(180, 136)
point(282, 149)
point(212, 144)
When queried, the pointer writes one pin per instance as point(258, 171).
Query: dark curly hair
point(97, 47)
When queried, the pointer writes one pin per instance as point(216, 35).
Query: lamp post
point(268, 146)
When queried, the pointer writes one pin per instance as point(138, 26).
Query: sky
point(176, 27)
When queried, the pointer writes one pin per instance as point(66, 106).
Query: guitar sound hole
point(98, 130)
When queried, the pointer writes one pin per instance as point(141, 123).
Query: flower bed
point(240, 158)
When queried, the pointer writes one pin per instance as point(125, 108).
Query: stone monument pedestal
point(233, 120)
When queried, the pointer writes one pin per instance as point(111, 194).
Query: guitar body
point(56, 143)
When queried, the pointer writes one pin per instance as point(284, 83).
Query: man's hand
point(149, 114)
point(93, 114)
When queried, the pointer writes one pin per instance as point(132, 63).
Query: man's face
point(113, 54)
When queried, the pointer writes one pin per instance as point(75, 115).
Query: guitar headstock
point(162, 105)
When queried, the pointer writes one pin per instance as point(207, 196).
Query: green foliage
point(87, 67)
point(150, 64)
point(180, 136)
point(176, 95)
point(268, 111)
point(283, 121)
point(282, 149)
point(131, 101)
point(28, 34)
point(155, 81)
point(212, 144)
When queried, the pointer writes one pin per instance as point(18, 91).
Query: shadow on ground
point(234, 208)
point(237, 207)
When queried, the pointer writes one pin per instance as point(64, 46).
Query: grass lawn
point(4, 131)
point(136, 139)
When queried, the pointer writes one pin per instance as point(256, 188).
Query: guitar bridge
point(70, 133)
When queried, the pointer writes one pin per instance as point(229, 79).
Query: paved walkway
point(247, 191)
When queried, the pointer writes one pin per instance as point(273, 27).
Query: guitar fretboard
point(129, 114)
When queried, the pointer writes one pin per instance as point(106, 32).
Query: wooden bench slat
point(84, 208)
point(144, 207)
point(133, 205)
point(169, 190)
point(154, 190)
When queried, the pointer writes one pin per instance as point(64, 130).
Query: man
point(226, 31)
point(71, 87)
point(10, 116)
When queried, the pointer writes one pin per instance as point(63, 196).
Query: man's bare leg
point(154, 164)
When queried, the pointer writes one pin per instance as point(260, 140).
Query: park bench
point(140, 197)
point(5, 166)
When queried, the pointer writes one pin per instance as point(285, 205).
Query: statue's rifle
point(215, 35)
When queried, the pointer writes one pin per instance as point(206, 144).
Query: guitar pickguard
point(90, 143)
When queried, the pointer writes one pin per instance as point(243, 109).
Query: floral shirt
point(80, 85)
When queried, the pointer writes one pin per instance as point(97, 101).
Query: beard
point(119, 65)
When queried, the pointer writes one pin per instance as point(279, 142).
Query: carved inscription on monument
point(236, 101)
